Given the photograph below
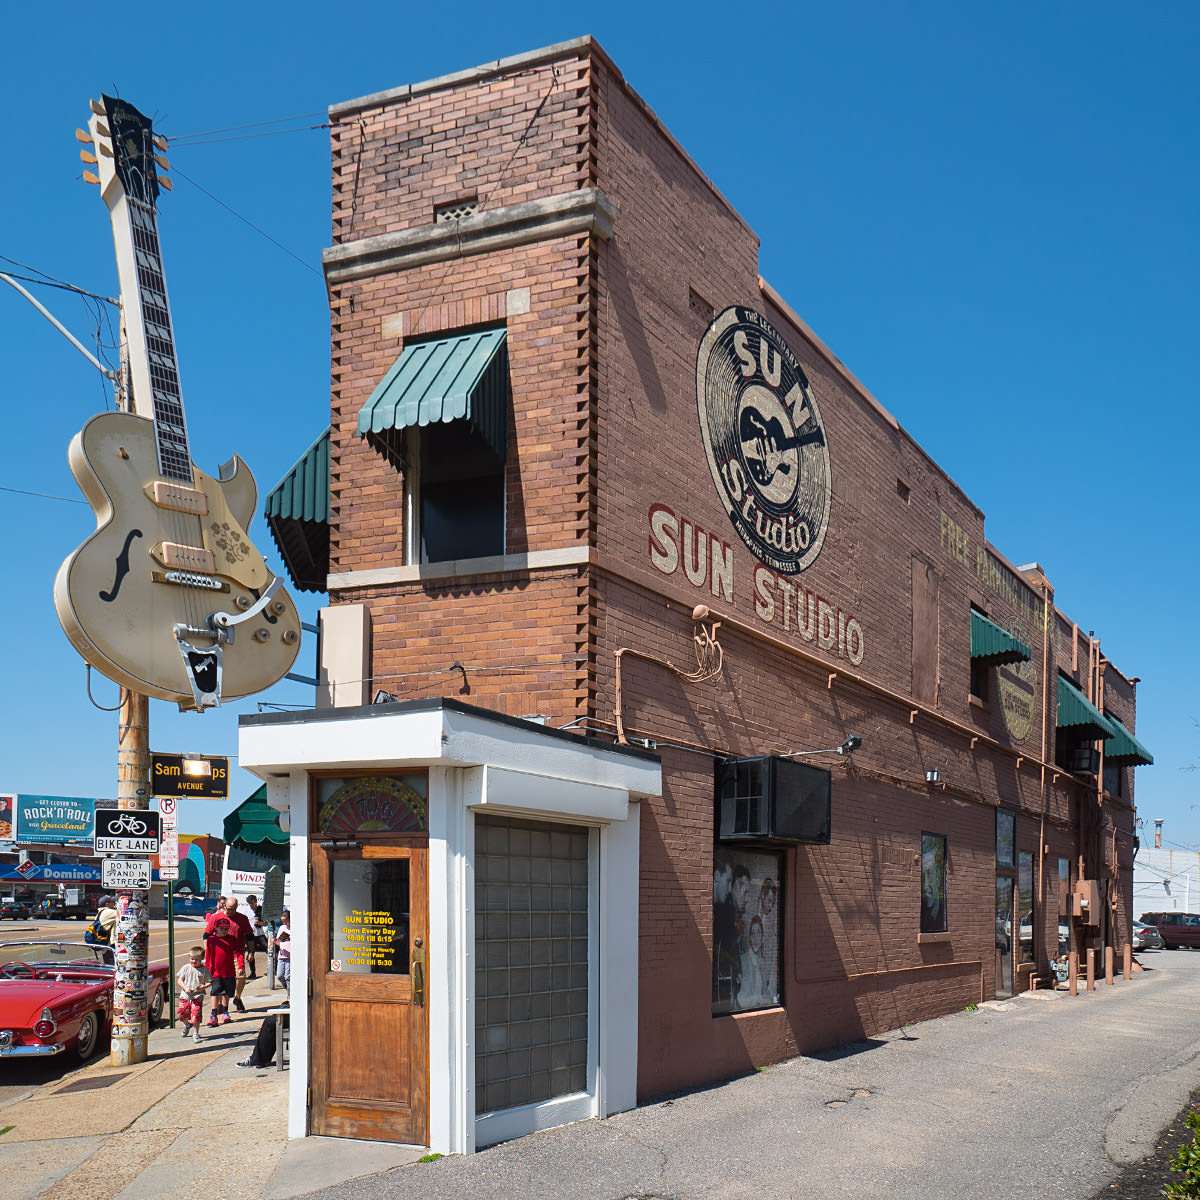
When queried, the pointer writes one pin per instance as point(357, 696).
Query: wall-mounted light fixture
point(848, 747)
point(933, 776)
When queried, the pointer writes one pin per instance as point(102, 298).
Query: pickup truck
point(56, 909)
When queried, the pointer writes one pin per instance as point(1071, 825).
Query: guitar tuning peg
point(106, 150)
point(161, 160)
point(102, 129)
point(88, 157)
point(165, 182)
point(89, 177)
point(97, 107)
point(160, 142)
point(83, 136)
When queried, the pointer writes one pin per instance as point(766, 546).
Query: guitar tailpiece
point(203, 671)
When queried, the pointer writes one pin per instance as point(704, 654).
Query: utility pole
point(131, 935)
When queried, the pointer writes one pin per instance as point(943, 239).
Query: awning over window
point(1125, 750)
point(461, 377)
point(994, 646)
point(297, 512)
point(254, 826)
point(1077, 712)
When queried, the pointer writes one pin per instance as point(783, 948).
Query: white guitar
point(168, 597)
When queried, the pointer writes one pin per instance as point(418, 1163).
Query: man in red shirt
point(224, 956)
point(247, 930)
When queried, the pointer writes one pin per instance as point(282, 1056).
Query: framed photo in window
point(746, 930)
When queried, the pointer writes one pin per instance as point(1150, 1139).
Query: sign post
point(168, 872)
point(131, 934)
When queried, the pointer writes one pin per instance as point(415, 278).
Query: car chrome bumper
point(8, 1050)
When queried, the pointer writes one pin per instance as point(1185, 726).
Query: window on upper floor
point(991, 646)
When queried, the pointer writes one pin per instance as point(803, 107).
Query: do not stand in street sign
point(125, 873)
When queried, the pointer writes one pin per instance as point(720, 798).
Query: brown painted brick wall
point(604, 428)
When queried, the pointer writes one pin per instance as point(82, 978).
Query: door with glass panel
point(370, 940)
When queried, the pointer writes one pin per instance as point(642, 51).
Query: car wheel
point(156, 1010)
point(89, 1037)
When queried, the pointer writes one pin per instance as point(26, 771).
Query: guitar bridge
point(177, 498)
point(190, 579)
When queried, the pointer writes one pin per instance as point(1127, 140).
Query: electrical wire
point(241, 137)
point(42, 495)
point(261, 232)
point(204, 133)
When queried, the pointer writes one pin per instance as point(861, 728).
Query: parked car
point(57, 997)
point(1175, 928)
point(14, 910)
point(1146, 937)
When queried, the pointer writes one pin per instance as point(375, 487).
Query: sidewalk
point(1047, 1096)
point(188, 1121)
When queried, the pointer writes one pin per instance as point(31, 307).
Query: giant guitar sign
point(168, 597)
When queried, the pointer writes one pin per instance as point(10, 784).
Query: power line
point(261, 232)
point(248, 125)
point(42, 495)
point(241, 137)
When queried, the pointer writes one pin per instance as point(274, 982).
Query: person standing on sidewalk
point(247, 934)
point(283, 951)
point(194, 979)
point(224, 956)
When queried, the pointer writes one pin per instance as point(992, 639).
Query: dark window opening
point(461, 493)
point(979, 670)
point(933, 883)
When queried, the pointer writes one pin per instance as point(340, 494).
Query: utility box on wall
point(1085, 901)
point(772, 801)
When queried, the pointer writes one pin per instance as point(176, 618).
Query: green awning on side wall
point(297, 512)
point(254, 826)
point(461, 377)
point(994, 646)
point(1125, 750)
point(1077, 712)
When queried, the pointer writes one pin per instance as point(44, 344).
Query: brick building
point(607, 531)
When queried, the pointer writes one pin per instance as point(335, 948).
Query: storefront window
point(1006, 838)
point(933, 883)
point(746, 933)
point(368, 932)
point(1025, 903)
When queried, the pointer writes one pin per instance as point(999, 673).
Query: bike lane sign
point(126, 831)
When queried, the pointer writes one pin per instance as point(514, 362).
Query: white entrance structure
point(478, 763)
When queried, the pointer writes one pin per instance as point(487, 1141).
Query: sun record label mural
point(764, 439)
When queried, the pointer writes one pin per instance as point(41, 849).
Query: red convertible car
point(57, 997)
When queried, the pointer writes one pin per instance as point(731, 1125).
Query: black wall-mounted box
point(772, 800)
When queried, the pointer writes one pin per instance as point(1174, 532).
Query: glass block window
point(531, 962)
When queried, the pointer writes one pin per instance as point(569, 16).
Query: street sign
point(127, 831)
point(167, 806)
point(168, 849)
point(168, 872)
point(199, 776)
point(125, 873)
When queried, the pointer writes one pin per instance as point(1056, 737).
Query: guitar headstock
point(127, 154)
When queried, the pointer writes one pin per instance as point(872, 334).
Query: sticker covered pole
point(131, 934)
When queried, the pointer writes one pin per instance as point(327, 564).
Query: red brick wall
point(604, 428)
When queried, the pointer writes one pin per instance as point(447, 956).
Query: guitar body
point(167, 554)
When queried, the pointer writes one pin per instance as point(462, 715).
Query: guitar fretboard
point(170, 428)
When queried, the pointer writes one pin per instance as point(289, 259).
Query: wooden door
point(370, 1031)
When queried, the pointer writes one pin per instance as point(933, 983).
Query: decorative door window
point(363, 805)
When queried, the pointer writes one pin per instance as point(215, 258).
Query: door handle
point(418, 975)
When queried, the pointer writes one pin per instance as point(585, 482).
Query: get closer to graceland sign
point(55, 820)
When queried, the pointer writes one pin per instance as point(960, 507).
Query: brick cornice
point(586, 211)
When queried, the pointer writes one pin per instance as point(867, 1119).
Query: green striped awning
point(1076, 711)
point(994, 646)
point(460, 377)
point(254, 826)
point(1125, 750)
point(297, 512)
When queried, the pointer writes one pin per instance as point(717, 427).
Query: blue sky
point(987, 212)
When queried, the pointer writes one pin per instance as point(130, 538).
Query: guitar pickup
point(177, 498)
point(190, 579)
point(173, 556)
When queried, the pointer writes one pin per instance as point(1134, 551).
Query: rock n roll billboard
point(769, 458)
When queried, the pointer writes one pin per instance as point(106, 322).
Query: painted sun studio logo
point(764, 439)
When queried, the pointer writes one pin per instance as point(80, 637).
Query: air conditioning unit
point(1085, 760)
point(772, 801)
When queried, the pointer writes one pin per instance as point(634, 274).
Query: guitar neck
point(157, 348)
